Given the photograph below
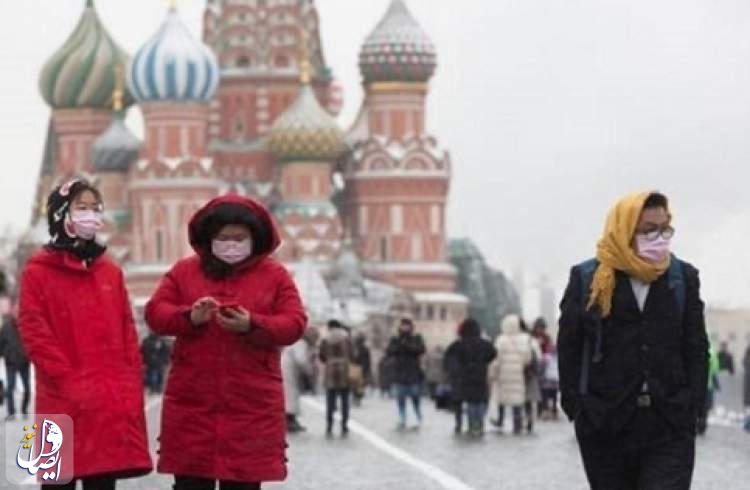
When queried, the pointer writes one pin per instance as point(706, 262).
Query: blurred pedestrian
point(514, 355)
point(711, 389)
point(295, 364)
point(336, 353)
point(361, 359)
point(433, 369)
point(386, 375)
point(634, 353)
point(406, 349)
point(532, 375)
point(155, 353)
point(231, 307)
point(539, 332)
point(726, 359)
point(466, 362)
point(550, 385)
point(16, 364)
point(746, 366)
point(76, 325)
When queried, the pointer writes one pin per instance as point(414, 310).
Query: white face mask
point(232, 252)
point(86, 223)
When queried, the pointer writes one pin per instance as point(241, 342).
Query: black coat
point(10, 344)
point(466, 362)
point(155, 352)
point(746, 365)
point(406, 349)
point(657, 345)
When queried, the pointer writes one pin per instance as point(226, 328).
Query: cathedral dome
point(398, 50)
point(81, 74)
point(306, 132)
point(173, 66)
point(116, 148)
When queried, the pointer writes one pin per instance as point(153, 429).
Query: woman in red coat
point(76, 324)
point(231, 308)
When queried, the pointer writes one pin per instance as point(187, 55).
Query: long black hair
point(213, 221)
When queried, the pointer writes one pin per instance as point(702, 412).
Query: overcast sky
point(550, 111)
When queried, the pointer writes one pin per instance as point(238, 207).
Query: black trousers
point(194, 483)
point(90, 483)
point(331, 397)
point(23, 371)
point(637, 459)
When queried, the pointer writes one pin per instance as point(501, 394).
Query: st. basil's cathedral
point(251, 109)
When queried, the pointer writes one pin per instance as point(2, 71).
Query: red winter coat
point(76, 325)
point(223, 412)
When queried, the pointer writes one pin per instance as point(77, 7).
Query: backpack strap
point(586, 270)
point(677, 283)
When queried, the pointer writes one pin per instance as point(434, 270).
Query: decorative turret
point(398, 50)
point(81, 74)
point(173, 66)
point(305, 131)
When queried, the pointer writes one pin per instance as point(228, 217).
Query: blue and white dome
point(173, 66)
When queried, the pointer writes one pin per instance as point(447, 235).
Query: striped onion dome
point(306, 132)
point(81, 74)
point(173, 66)
point(398, 50)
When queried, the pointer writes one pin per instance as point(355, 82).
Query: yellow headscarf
point(615, 252)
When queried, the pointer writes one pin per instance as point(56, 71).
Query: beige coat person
point(514, 353)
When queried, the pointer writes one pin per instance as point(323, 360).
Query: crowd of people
point(632, 365)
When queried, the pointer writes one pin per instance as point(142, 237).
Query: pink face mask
point(230, 251)
point(655, 251)
point(86, 223)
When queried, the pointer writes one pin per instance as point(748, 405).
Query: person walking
point(550, 385)
point(532, 375)
point(155, 352)
point(514, 355)
point(231, 307)
point(295, 365)
point(386, 374)
point(16, 364)
point(746, 400)
point(433, 370)
point(633, 353)
point(714, 367)
point(362, 362)
point(726, 359)
point(466, 361)
point(76, 325)
point(406, 349)
point(336, 354)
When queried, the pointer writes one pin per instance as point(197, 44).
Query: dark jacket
point(726, 362)
point(406, 349)
point(155, 352)
point(10, 344)
point(336, 353)
point(466, 362)
point(657, 345)
point(361, 357)
point(746, 364)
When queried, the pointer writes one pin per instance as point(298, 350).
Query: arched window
point(243, 62)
